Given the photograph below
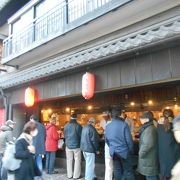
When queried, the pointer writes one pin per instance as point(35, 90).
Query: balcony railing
point(61, 19)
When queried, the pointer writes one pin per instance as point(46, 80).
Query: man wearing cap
point(39, 142)
point(148, 148)
point(108, 159)
point(72, 134)
point(6, 136)
point(176, 129)
point(90, 147)
point(119, 140)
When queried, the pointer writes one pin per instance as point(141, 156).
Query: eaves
point(150, 36)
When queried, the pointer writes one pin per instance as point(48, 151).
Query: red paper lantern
point(29, 97)
point(88, 85)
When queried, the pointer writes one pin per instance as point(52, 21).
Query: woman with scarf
point(25, 151)
point(169, 150)
point(148, 150)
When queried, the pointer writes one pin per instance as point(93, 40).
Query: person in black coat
point(90, 147)
point(25, 151)
point(72, 134)
point(169, 150)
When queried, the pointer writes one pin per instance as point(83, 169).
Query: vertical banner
point(2, 116)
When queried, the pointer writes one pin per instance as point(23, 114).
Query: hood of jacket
point(6, 128)
point(49, 126)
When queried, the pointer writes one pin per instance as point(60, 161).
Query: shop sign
point(2, 116)
point(88, 85)
point(29, 97)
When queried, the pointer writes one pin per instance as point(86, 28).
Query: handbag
point(9, 160)
point(61, 144)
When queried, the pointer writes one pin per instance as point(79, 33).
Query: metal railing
point(61, 19)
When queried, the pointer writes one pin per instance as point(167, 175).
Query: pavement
point(60, 176)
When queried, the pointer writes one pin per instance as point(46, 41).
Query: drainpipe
point(5, 101)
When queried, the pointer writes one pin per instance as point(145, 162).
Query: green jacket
point(148, 152)
point(6, 136)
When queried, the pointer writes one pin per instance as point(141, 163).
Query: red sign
point(2, 116)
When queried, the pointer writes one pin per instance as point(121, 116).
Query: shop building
point(132, 48)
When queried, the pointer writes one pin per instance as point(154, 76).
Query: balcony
point(57, 22)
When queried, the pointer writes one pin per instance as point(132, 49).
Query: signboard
point(2, 116)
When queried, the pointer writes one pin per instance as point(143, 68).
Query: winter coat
point(72, 134)
point(169, 151)
point(118, 138)
point(51, 138)
point(6, 136)
point(39, 140)
point(148, 150)
point(89, 139)
point(28, 168)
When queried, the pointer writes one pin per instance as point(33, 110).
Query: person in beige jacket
point(176, 129)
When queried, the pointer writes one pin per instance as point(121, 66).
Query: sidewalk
point(60, 176)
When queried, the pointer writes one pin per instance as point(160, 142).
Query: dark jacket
point(89, 139)
point(6, 136)
point(51, 138)
point(28, 169)
point(118, 138)
point(169, 151)
point(72, 134)
point(148, 150)
point(39, 140)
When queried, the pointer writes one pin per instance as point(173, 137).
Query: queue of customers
point(159, 153)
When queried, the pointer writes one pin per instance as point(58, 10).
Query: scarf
point(144, 126)
point(27, 137)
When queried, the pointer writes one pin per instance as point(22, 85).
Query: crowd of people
point(159, 148)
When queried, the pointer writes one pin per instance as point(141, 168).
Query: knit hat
point(8, 122)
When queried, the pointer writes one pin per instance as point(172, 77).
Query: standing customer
point(148, 148)
point(108, 159)
point(25, 151)
point(90, 146)
point(119, 140)
point(176, 129)
point(168, 147)
point(51, 145)
point(6, 136)
point(39, 142)
point(72, 134)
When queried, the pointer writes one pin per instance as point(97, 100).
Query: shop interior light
point(72, 111)
point(150, 102)
point(67, 109)
point(132, 103)
point(42, 111)
point(49, 111)
point(89, 107)
point(176, 106)
point(167, 107)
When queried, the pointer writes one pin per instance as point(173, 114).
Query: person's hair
point(116, 112)
point(34, 117)
point(74, 115)
point(29, 126)
point(167, 113)
point(52, 120)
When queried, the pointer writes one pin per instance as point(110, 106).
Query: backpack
point(9, 160)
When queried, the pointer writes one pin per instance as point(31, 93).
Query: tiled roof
point(149, 36)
